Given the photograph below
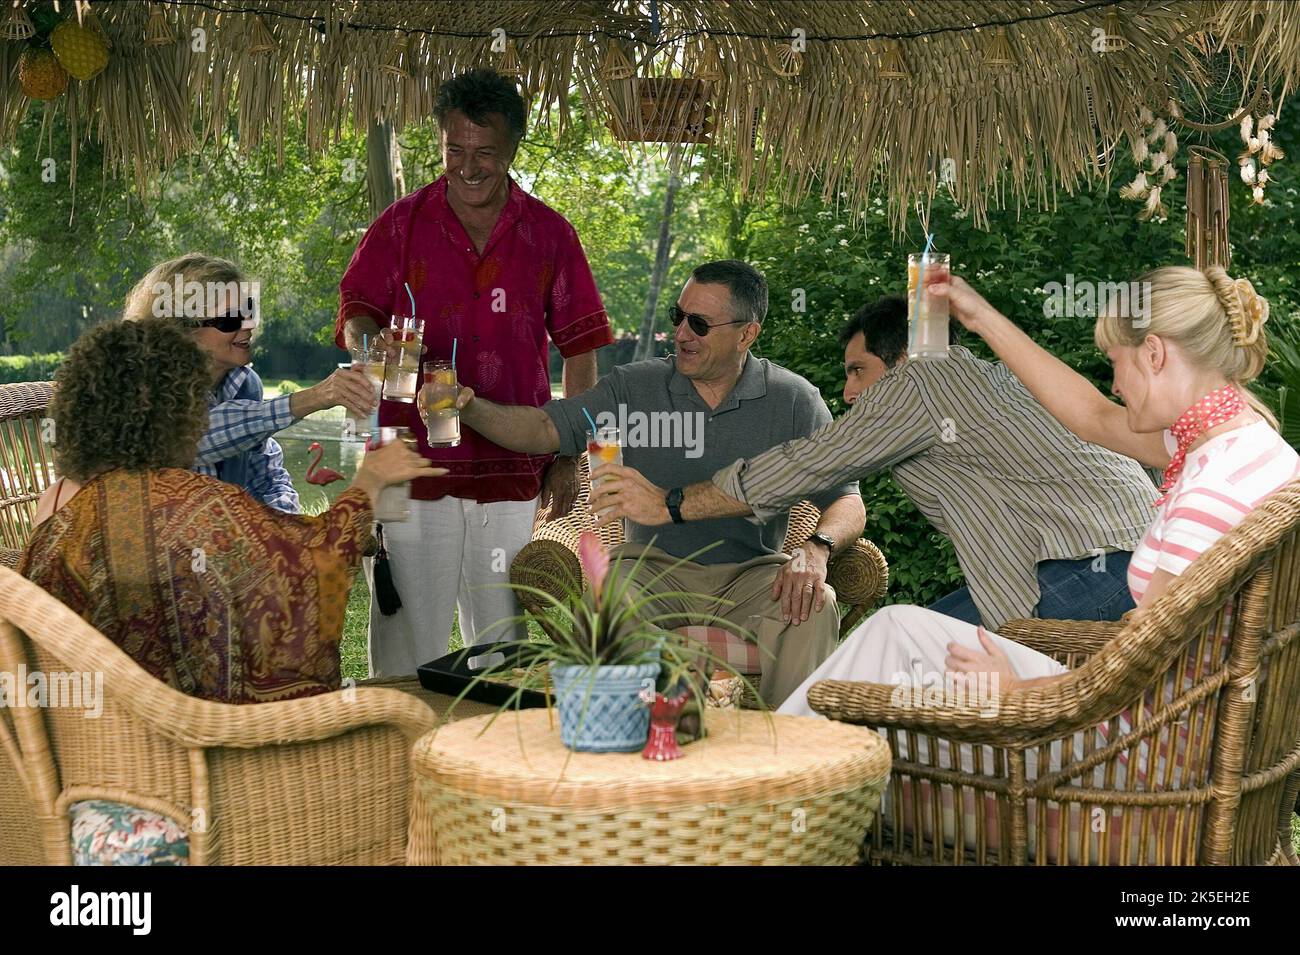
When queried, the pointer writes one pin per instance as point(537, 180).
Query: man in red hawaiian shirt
point(499, 272)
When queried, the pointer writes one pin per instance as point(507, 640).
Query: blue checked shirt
point(238, 446)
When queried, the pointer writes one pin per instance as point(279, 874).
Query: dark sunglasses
point(699, 324)
point(230, 321)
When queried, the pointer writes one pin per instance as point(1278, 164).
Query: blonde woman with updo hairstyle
point(1183, 360)
point(213, 298)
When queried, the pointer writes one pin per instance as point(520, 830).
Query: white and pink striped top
point(1223, 480)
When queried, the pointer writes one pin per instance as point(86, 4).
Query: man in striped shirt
point(1043, 524)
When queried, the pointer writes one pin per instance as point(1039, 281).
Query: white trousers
point(449, 554)
point(905, 645)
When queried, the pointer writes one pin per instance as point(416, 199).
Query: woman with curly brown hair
point(209, 590)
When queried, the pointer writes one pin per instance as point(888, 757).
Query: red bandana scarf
point(1210, 412)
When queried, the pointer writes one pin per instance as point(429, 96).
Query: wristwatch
point(826, 539)
point(674, 502)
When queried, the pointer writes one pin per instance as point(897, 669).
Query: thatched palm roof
point(1048, 120)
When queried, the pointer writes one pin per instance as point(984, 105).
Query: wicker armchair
point(859, 575)
point(1227, 767)
point(25, 463)
point(321, 780)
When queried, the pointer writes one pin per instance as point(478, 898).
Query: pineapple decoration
point(56, 49)
point(40, 75)
point(1154, 148)
point(80, 47)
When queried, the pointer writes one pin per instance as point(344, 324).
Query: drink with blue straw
point(927, 315)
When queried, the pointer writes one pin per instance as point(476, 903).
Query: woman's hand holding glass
point(394, 463)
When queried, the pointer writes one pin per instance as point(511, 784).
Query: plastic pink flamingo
point(317, 474)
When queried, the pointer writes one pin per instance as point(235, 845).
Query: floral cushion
point(111, 833)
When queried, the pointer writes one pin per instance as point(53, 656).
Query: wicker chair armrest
point(9, 557)
point(1055, 637)
point(545, 565)
point(1020, 717)
point(859, 575)
point(193, 722)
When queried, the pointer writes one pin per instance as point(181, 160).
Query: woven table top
point(748, 757)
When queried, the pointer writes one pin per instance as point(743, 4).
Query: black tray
point(452, 673)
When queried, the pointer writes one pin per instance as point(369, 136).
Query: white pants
point(905, 645)
point(449, 554)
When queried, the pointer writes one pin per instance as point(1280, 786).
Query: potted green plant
point(609, 652)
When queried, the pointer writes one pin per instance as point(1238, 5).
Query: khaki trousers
point(741, 594)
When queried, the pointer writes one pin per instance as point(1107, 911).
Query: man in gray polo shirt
point(685, 417)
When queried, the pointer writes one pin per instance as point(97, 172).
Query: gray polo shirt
point(673, 438)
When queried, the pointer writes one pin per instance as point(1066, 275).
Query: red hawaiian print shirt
point(531, 281)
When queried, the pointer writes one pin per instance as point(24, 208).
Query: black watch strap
point(674, 502)
point(826, 539)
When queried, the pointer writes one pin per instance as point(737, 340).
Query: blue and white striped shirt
point(238, 447)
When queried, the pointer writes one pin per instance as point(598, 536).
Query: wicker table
point(758, 790)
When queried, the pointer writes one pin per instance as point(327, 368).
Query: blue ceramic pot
point(601, 709)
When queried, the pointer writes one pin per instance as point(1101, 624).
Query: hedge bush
point(15, 368)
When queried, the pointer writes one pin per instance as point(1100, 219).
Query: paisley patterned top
point(209, 590)
point(532, 281)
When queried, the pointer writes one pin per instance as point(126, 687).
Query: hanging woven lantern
point(17, 25)
point(893, 66)
point(260, 39)
point(998, 52)
point(398, 56)
point(786, 60)
point(509, 64)
point(1112, 40)
point(158, 32)
point(708, 65)
point(615, 65)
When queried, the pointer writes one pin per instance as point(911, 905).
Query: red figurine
point(319, 475)
point(664, 713)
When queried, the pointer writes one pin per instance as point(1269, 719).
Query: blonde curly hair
point(1215, 320)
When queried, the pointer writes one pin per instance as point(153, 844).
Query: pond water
point(343, 456)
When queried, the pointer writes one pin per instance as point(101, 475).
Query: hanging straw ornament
point(158, 32)
point(893, 66)
point(509, 64)
point(615, 65)
point(786, 60)
point(259, 36)
point(1112, 39)
point(708, 64)
point(18, 25)
point(398, 56)
point(997, 54)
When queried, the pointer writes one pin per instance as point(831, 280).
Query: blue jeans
point(1068, 590)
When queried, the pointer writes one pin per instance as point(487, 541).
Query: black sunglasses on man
point(699, 324)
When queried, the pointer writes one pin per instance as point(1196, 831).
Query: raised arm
point(1068, 396)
